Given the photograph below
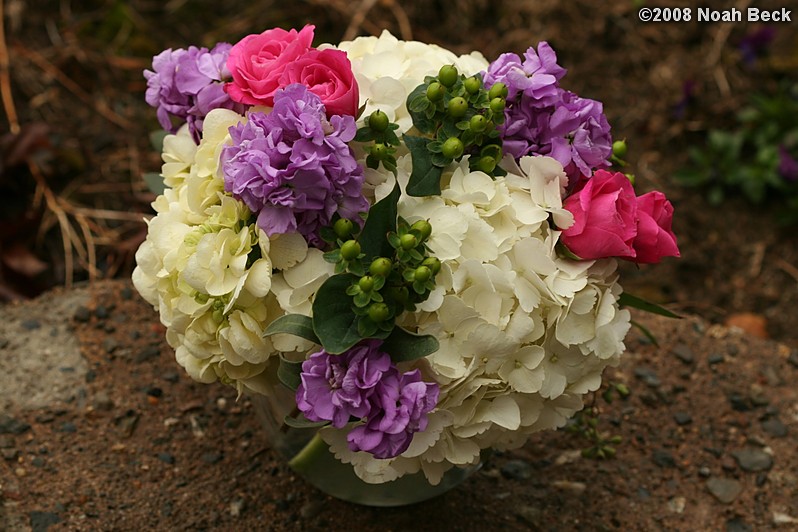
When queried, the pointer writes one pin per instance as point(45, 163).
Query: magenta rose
point(257, 63)
point(655, 239)
point(328, 74)
point(605, 218)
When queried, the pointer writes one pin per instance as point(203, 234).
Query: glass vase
point(309, 456)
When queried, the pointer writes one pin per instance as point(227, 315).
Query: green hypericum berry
point(498, 90)
point(366, 283)
point(379, 312)
point(343, 228)
point(472, 85)
point(350, 250)
point(619, 148)
point(408, 241)
point(422, 274)
point(400, 294)
point(433, 264)
point(435, 91)
point(378, 121)
point(381, 266)
point(379, 151)
point(497, 105)
point(486, 164)
point(423, 227)
point(448, 75)
point(458, 107)
point(452, 148)
point(478, 123)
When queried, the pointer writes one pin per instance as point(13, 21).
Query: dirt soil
point(708, 432)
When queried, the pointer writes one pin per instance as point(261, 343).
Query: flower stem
point(304, 460)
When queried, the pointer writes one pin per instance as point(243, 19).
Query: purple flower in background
point(335, 387)
point(788, 166)
point(185, 85)
point(400, 407)
point(755, 44)
point(536, 77)
point(293, 167)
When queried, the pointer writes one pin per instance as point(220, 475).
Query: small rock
point(772, 376)
point(761, 479)
point(41, 521)
point(648, 376)
point(212, 458)
point(793, 358)
point(6, 442)
point(715, 358)
point(676, 505)
point(20, 472)
point(67, 427)
point(531, 515)
point(739, 402)
point(4, 343)
point(37, 461)
point(753, 324)
point(704, 471)
point(31, 325)
point(236, 507)
point(728, 464)
point(171, 376)
point(517, 470)
point(148, 353)
point(682, 418)
point(102, 312)
point(126, 293)
point(91, 375)
point(154, 392)
point(82, 314)
point(9, 425)
point(684, 353)
point(784, 519)
point(577, 488)
point(102, 401)
point(9, 454)
point(737, 525)
point(643, 494)
point(663, 458)
point(311, 509)
point(110, 345)
point(726, 490)
point(568, 457)
point(166, 458)
point(753, 459)
point(774, 427)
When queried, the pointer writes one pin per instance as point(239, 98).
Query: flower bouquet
point(412, 251)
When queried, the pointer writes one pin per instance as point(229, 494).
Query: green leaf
point(404, 346)
point(288, 372)
point(334, 322)
point(364, 134)
point(301, 422)
point(426, 177)
point(156, 139)
point(154, 183)
point(296, 324)
point(643, 329)
point(381, 221)
point(628, 300)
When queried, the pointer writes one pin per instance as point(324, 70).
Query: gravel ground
point(132, 444)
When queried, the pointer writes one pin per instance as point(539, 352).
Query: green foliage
point(746, 157)
point(457, 116)
point(586, 424)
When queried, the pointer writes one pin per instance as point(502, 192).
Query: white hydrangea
point(387, 70)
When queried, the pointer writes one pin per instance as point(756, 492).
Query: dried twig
point(358, 18)
point(788, 268)
point(40, 61)
point(5, 79)
point(405, 28)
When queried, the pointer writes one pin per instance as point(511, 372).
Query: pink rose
point(655, 239)
point(328, 74)
point(257, 62)
point(605, 218)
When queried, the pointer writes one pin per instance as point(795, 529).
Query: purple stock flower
point(788, 166)
point(400, 407)
point(187, 84)
point(335, 387)
point(536, 77)
point(293, 167)
point(541, 118)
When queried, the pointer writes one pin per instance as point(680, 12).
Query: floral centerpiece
point(421, 245)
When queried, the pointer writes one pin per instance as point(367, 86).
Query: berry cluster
point(387, 286)
point(379, 130)
point(461, 117)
